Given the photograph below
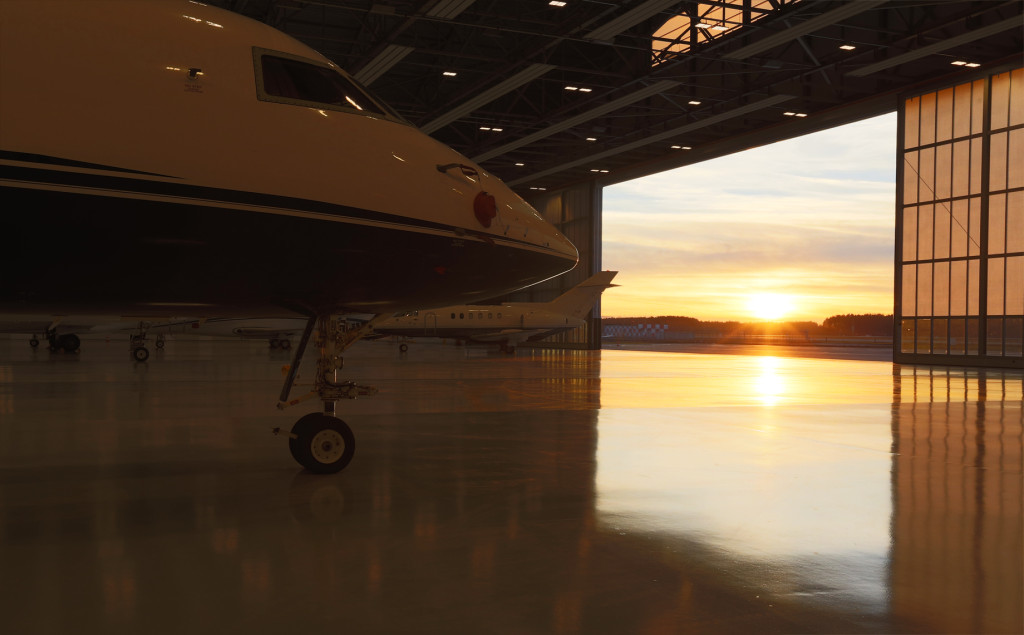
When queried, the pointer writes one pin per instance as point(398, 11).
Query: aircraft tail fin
point(579, 300)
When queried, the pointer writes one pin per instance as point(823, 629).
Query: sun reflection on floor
point(770, 385)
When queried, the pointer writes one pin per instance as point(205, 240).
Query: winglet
point(579, 300)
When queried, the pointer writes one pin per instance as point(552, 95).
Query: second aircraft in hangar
point(182, 159)
point(508, 324)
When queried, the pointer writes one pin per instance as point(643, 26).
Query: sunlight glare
point(770, 385)
point(770, 306)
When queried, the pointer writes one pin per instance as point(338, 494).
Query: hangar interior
point(580, 491)
point(559, 99)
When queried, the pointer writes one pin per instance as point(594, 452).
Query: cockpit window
point(285, 79)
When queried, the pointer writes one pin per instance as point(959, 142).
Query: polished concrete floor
point(619, 491)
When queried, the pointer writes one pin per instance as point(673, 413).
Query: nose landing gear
point(321, 442)
point(137, 343)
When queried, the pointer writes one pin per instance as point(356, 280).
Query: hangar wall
point(576, 212)
point(959, 279)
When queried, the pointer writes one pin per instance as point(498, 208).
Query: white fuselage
point(512, 322)
point(145, 136)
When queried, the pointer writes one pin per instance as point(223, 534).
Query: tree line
point(873, 324)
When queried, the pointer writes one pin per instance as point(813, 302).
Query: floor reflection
point(545, 492)
point(788, 495)
point(901, 514)
point(957, 561)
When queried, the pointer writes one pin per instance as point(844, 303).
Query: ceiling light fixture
point(571, 122)
point(591, 138)
point(767, 102)
point(526, 75)
point(847, 47)
point(808, 26)
point(557, 3)
point(693, 102)
point(449, 73)
point(572, 87)
point(944, 45)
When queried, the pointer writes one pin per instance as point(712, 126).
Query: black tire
point(322, 444)
point(284, 344)
point(403, 347)
point(33, 342)
point(140, 354)
point(69, 342)
point(274, 343)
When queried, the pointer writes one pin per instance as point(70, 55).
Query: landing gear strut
point(137, 343)
point(321, 442)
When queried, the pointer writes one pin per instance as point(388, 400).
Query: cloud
point(813, 215)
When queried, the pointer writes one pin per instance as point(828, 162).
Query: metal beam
point(394, 53)
point(571, 122)
point(630, 19)
point(448, 9)
point(528, 74)
point(808, 26)
point(985, 31)
point(391, 55)
point(661, 136)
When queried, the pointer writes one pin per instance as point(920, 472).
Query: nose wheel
point(319, 441)
point(137, 343)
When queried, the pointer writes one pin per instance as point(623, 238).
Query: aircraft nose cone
point(564, 247)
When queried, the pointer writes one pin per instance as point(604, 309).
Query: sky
point(796, 230)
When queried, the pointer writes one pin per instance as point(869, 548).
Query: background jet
point(507, 324)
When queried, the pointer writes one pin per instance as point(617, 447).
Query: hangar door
point(959, 280)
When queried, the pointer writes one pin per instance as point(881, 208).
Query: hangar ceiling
point(548, 95)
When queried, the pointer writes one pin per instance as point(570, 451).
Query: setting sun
point(770, 306)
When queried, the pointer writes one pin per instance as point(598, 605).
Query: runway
point(614, 491)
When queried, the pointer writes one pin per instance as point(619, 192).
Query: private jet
point(186, 160)
point(508, 324)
